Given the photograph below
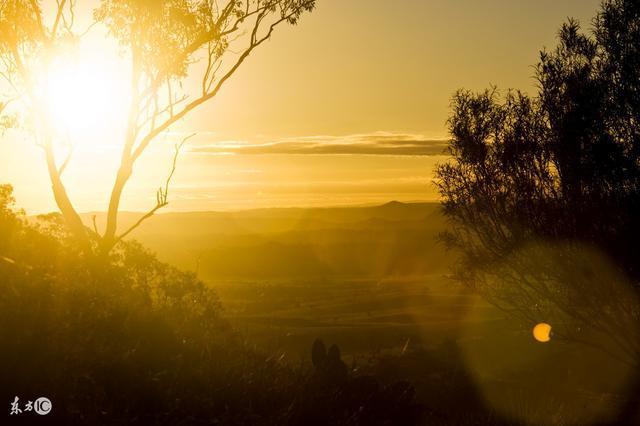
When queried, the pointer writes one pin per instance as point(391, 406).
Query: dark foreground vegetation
point(363, 282)
point(135, 341)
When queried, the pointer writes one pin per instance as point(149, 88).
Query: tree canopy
point(543, 191)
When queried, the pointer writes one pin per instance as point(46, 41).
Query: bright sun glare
point(86, 95)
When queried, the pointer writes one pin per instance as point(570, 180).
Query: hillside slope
point(394, 239)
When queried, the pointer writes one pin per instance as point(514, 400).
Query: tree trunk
point(109, 238)
point(71, 217)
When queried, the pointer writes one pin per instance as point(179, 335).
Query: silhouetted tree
point(162, 39)
point(543, 192)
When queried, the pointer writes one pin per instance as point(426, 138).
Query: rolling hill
point(391, 240)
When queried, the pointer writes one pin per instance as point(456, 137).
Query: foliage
point(136, 341)
point(166, 34)
point(543, 192)
point(18, 23)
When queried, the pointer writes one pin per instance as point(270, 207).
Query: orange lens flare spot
point(542, 332)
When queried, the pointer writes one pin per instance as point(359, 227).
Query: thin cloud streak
point(362, 144)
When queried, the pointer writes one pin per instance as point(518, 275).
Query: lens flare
point(542, 332)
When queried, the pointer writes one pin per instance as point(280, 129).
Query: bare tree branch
point(54, 29)
point(255, 42)
point(66, 161)
point(162, 196)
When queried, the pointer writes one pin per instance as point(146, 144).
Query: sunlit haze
point(315, 84)
point(86, 93)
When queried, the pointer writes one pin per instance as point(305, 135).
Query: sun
point(86, 95)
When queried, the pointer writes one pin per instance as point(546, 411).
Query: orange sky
point(352, 103)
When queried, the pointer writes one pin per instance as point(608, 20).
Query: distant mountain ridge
point(392, 239)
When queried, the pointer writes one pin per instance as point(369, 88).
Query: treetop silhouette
point(543, 192)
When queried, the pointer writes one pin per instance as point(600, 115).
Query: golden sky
point(351, 105)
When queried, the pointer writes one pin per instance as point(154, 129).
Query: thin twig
point(162, 194)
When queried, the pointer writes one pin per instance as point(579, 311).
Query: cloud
point(362, 144)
